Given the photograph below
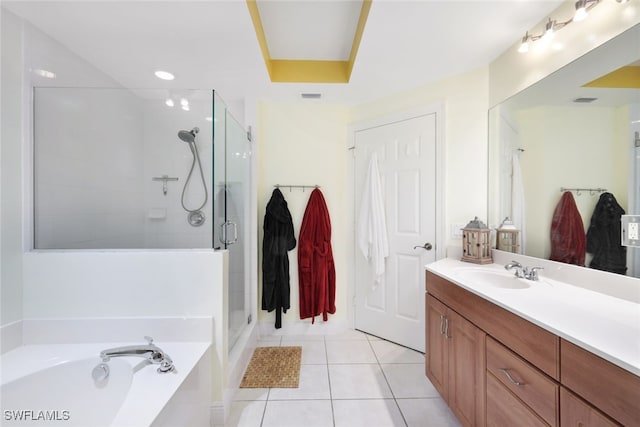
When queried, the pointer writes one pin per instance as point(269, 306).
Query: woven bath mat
point(273, 367)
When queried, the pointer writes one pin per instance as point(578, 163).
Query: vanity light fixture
point(164, 75)
point(552, 26)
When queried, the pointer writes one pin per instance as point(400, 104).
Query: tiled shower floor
point(346, 380)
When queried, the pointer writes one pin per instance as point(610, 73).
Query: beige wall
point(465, 101)
point(307, 144)
point(593, 157)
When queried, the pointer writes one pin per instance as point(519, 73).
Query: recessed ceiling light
point(45, 73)
point(184, 101)
point(169, 102)
point(164, 75)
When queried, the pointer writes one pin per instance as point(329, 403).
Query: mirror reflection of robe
point(603, 236)
point(568, 241)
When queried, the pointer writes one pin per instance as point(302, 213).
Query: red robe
point(568, 240)
point(316, 271)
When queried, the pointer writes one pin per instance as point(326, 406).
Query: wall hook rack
point(592, 191)
point(303, 187)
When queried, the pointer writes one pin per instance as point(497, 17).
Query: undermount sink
point(492, 278)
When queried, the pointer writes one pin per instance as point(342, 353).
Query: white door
point(406, 151)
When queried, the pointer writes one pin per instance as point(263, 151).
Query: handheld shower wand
point(189, 136)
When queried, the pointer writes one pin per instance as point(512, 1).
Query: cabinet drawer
point(504, 409)
point(530, 385)
point(608, 387)
point(576, 413)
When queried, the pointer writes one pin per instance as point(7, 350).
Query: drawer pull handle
point(446, 328)
point(506, 372)
point(441, 324)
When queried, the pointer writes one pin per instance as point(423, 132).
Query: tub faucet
point(150, 351)
point(523, 272)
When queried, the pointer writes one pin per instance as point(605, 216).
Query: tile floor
point(346, 380)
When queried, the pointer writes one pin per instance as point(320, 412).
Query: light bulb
point(548, 30)
point(164, 75)
point(169, 102)
point(524, 46)
point(581, 11)
point(184, 102)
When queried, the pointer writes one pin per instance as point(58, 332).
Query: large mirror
point(576, 130)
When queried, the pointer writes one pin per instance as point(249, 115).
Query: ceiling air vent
point(584, 100)
point(310, 95)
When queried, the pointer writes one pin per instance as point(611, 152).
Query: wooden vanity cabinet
point(456, 362)
point(495, 368)
point(608, 387)
point(577, 413)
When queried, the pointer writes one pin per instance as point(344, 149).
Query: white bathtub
point(50, 385)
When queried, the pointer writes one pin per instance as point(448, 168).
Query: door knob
point(427, 246)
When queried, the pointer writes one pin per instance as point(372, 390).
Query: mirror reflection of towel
point(568, 241)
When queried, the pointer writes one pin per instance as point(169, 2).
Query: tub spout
point(150, 351)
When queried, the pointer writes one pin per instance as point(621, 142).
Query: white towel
point(517, 200)
point(372, 226)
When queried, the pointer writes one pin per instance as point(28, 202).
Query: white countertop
point(606, 325)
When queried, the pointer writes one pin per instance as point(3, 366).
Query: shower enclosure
point(143, 169)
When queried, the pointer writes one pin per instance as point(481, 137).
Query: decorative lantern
point(475, 243)
point(508, 237)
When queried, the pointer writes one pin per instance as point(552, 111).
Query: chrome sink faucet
point(150, 351)
point(522, 272)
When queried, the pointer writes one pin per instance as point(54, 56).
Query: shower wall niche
point(101, 157)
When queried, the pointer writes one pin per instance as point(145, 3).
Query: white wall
point(165, 154)
point(305, 144)
point(11, 174)
point(88, 172)
point(75, 284)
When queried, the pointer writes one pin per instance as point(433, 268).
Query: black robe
point(278, 240)
point(604, 238)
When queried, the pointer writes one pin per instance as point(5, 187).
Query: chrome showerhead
point(188, 135)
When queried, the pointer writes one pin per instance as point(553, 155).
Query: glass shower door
point(232, 174)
